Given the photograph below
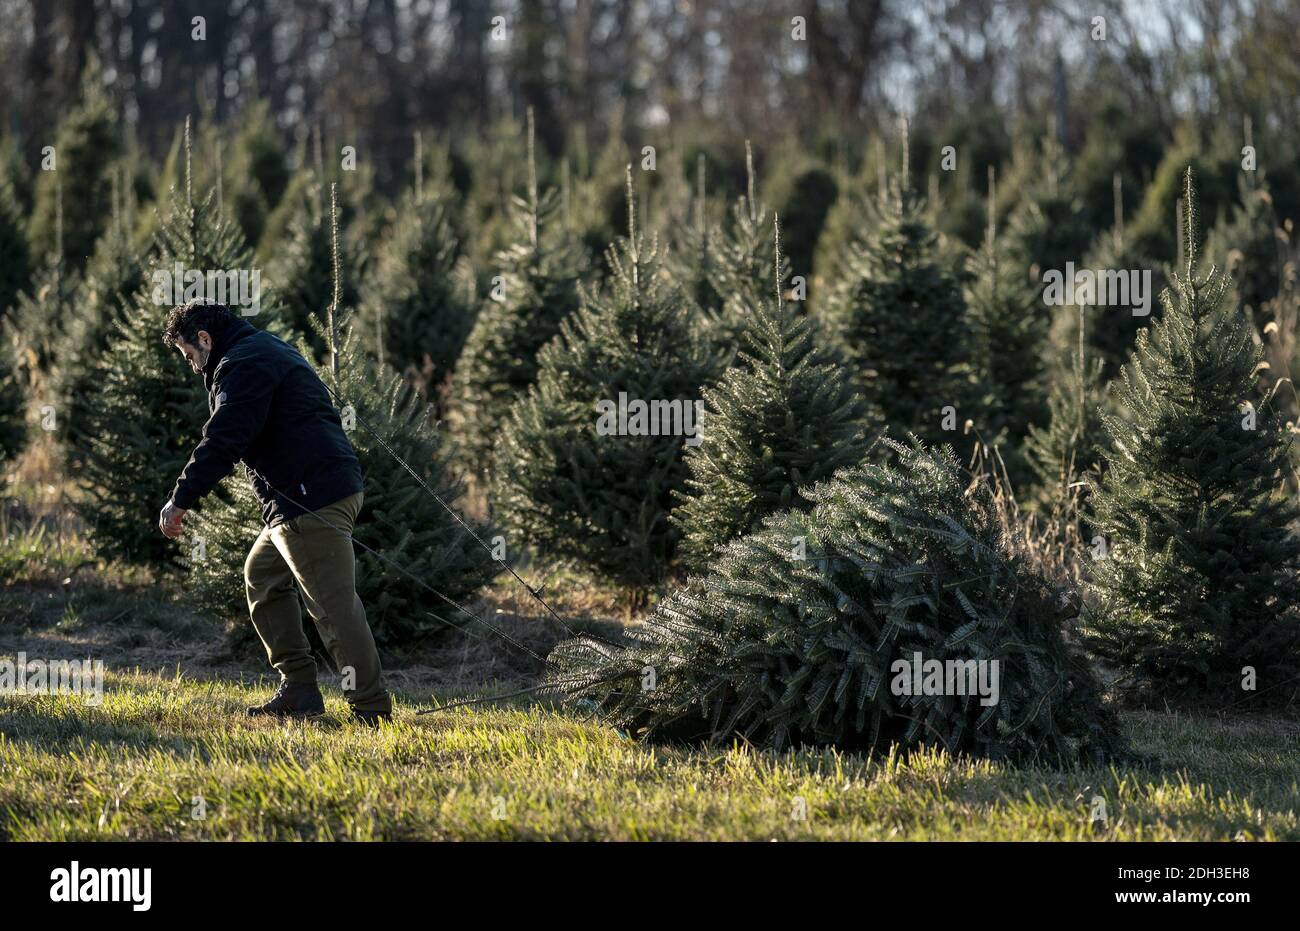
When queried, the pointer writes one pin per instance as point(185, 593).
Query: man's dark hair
point(185, 321)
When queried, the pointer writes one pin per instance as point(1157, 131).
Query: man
point(270, 410)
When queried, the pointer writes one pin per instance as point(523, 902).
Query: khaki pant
point(308, 555)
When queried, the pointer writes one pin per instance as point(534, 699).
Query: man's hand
point(169, 521)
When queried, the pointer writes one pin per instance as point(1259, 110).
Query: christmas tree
point(1197, 592)
point(1246, 245)
point(414, 314)
point(538, 290)
point(1048, 227)
point(589, 459)
point(691, 262)
point(114, 275)
point(38, 318)
point(901, 319)
point(144, 418)
point(15, 260)
point(1070, 446)
point(400, 520)
point(1008, 331)
point(740, 263)
point(13, 427)
point(77, 186)
point(814, 630)
point(301, 266)
point(783, 418)
point(1114, 325)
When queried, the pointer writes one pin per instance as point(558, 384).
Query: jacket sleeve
point(243, 390)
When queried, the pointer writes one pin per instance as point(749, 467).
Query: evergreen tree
point(114, 275)
point(740, 262)
point(1048, 227)
point(538, 290)
point(398, 519)
point(782, 419)
point(1201, 576)
point(38, 318)
point(901, 319)
point(1246, 246)
point(414, 315)
point(301, 267)
point(796, 633)
point(1070, 446)
point(1115, 326)
point(1008, 332)
point(13, 427)
point(85, 150)
point(15, 260)
point(691, 262)
point(571, 482)
point(144, 420)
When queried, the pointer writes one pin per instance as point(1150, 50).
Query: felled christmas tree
point(783, 418)
point(901, 319)
point(1008, 333)
point(816, 629)
point(538, 279)
point(589, 459)
point(1197, 594)
point(143, 421)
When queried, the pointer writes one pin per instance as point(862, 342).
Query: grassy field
point(169, 754)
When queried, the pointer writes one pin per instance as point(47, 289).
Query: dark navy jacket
point(270, 410)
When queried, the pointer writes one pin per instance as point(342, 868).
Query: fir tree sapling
point(567, 480)
point(13, 426)
point(413, 310)
point(900, 317)
point(796, 634)
point(114, 275)
point(1008, 331)
point(71, 197)
point(1197, 593)
point(739, 262)
point(538, 290)
point(1115, 325)
point(1247, 246)
point(782, 418)
point(1070, 446)
point(15, 258)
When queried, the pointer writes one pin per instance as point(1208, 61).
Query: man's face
point(196, 354)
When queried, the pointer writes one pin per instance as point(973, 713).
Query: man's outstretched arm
point(244, 390)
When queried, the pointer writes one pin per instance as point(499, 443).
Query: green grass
point(171, 728)
point(132, 767)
